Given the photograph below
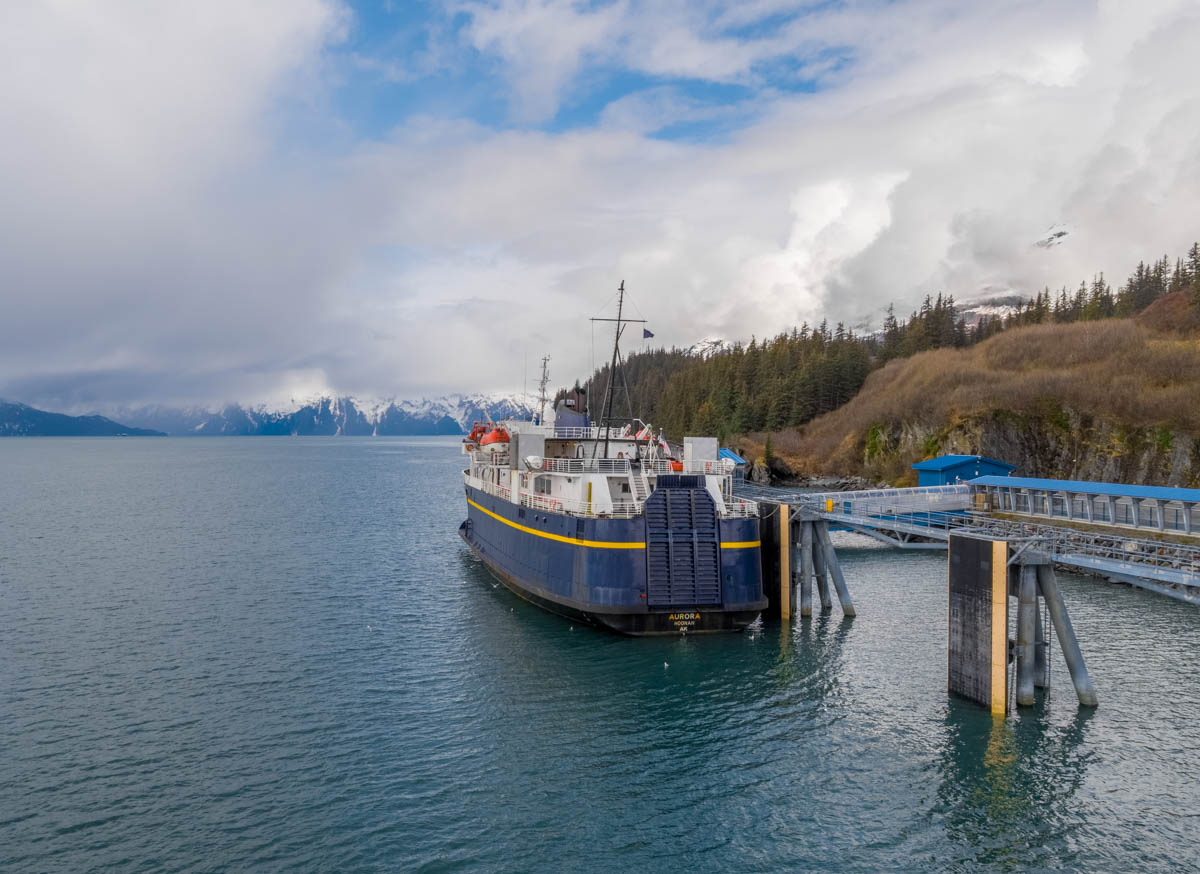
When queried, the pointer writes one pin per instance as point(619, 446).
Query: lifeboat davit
point(494, 441)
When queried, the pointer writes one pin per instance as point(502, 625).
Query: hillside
point(791, 379)
point(20, 420)
point(1116, 399)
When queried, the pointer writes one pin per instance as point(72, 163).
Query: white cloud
point(166, 236)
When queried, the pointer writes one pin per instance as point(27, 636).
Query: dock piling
point(835, 569)
point(1026, 619)
point(806, 568)
point(821, 572)
point(785, 564)
point(1041, 674)
point(1066, 635)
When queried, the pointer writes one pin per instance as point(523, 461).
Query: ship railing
point(734, 507)
point(586, 465)
point(550, 503)
point(718, 467)
point(563, 432)
point(491, 459)
point(619, 509)
point(739, 508)
point(567, 432)
point(491, 488)
point(622, 466)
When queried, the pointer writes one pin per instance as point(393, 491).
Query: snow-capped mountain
point(334, 416)
point(998, 306)
point(708, 347)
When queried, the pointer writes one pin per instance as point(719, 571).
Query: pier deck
point(925, 517)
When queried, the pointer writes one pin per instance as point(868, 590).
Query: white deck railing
point(586, 465)
point(734, 507)
point(707, 468)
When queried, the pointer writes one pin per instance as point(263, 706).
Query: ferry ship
point(610, 525)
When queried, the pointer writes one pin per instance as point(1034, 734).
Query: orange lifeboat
point(477, 432)
point(494, 441)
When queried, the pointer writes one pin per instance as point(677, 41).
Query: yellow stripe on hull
point(597, 544)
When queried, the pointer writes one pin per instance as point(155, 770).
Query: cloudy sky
point(256, 201)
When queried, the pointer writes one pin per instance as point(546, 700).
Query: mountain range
point(21, 420)
point(330, 416)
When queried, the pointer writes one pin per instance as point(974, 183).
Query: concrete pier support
point(1066, 635)
point(1026, 632)
point(1041, 655)
point(821, 573)
point(785, 564)
point(835, 568)
point(795, 549)
point(806, 568)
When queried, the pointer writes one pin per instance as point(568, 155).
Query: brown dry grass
point(1125, 370)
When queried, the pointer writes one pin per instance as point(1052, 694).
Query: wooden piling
point(806, 568)
point(835, 569)
point(1026, 613)
point(1066, 636)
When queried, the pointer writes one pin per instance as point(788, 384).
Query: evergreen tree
point(789, 379)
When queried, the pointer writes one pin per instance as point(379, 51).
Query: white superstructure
point(579, 472)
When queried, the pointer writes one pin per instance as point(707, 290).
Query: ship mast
point(610, 389)
point(542, 389)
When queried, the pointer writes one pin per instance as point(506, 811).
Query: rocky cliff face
point(1055, 443)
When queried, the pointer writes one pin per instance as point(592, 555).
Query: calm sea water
point(276, 655)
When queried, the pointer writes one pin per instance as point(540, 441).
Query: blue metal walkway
point(924, 518)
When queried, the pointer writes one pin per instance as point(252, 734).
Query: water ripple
point(276, 655)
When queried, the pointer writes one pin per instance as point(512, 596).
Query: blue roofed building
point(739, 470)
point(947, 470)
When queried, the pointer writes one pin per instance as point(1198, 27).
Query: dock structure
point(798, 554)
point(1140, 535)
point(1004, 537)
point(985, 662)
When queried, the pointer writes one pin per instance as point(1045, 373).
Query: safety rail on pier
point(926, 517)
point(1143, 508)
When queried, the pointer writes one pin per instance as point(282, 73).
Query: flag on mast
point(646, 335)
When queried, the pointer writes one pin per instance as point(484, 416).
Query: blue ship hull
point(654, 574)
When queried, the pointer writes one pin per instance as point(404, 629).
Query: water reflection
point(1007, 784)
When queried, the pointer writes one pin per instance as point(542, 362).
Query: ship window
point(541, 485)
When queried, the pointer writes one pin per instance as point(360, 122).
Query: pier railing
point(906, 518)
